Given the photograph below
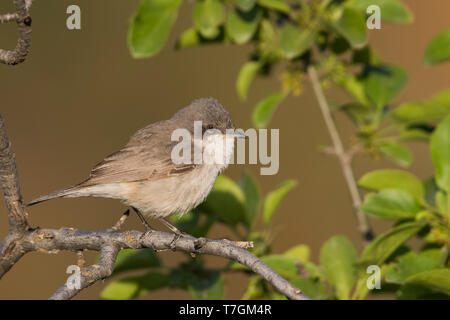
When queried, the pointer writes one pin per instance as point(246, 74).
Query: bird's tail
point(57, 194)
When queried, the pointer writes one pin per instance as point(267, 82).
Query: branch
point(9, 182)
point(344, 158)
point(23, 20)
point(23, 239)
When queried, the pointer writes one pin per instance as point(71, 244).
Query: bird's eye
point(209, 126)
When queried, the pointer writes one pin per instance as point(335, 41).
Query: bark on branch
point(22, 239)
point(23, 20)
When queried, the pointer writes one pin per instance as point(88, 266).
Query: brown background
point(80, 95)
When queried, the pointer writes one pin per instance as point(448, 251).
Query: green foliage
point(408, 265)
point(248, 72)
point(252, 197)
point(129, 259)
point(391, 204)
point(439, 48)
point(245, 5)
point(151, 25)
point(278, 5)
point(226, 201)
point(434, 109)
point(437, 279)
point(294, 42)
point(440, 154)
point(393, 179)
point(383, 83)
point(207, 17)
point(299, 252)
point(391, 10)
point(265, 109)
point(134, 287)
point(396, 152)
point(274, 199)
point(350, 24)
point(338, 258)
point(288, 37)
point(209, 287)
point(241, 26)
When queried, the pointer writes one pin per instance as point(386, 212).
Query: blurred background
point(79, 96)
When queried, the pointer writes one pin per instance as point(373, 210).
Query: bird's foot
point(147, 232)
point(173, 243)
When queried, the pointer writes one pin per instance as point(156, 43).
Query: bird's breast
point(163, 197)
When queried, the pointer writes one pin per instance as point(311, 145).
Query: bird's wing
point(146, 156)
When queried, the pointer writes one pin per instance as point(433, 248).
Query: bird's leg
point(178, 234)
point(144, 222)
point(121, 221)
point(172, 227)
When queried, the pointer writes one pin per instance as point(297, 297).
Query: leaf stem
point(363, 222)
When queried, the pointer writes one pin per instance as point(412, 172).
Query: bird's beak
point(239, 135)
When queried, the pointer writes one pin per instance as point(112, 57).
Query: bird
point(143, 174)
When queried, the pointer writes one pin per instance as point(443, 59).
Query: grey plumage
point(142, 173)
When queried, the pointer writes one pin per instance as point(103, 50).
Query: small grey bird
point(143, 174)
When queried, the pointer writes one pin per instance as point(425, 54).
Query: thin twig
point(23, 239)
point(344, 158)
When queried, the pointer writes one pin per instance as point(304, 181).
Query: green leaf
point(134, 287)
point(430, 188)
point(268, 44)
point(255, 288)
point(359, 113)
point(438, 279)
point(439, 49)
point(208, 16)
point(338, 258)
point(351, 24)
point(151, 25)
point(442, 202)
point(241, 26)
point(265, 108)
point(246, 76)
point(353, 86)
point(314, 289)
point(245, 5)
point(192, 223)
point(396, 152)
point(251, 192)
point(300, 252)
point(429, 110)
point(380, 249)
point(278, 5)
point(407, 266)
point(440, 154)
point(391, 10)
point(210, 286)
point(294, 42)
point(383, 82)
point(132, 259)
point(385, 244)
point(189, 38)
point(391, 204)
point(274, 199)
point(121, 290)
point(284, 266)
point(393, 179)
point(226, 201)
